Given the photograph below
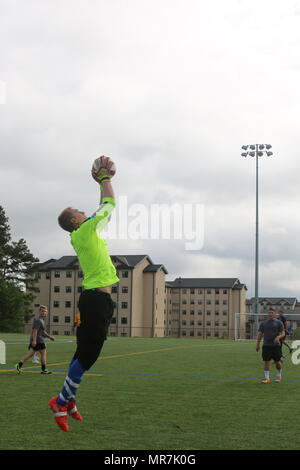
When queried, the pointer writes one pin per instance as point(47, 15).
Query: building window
point(124, 305)
point(80, 274)
point(67, 319)
point(67, 333)
point(79, 289)
point(124, 273)
point(68, 304)
point(55, 319)
point(124, 320)
point(114, 290)
point(224, 291)
point(56, 289)
point(57, 274)
point(125, 290)
point(183, 312)
point(48, 275)
point(68, 289)
point(208, 291)
point(68, 273)
point(55, 303)
point(113, 321)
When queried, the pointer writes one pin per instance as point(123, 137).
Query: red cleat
point(72, 411)
point(60, 414)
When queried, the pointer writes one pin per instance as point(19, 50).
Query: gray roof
point(63, 263)
point(125, 261)
point(206, 283)
point(273, 300)
point(130, 260)
point(153, 268)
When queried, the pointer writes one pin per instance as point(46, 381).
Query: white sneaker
point(35, 360)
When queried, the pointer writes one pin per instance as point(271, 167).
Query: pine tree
point(17, 279)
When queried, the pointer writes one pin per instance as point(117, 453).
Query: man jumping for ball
point(95, 303)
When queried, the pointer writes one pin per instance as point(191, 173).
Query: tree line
point(17, 279)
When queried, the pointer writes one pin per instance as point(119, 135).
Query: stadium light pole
point(256, 151)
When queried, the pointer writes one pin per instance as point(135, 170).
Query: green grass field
point(152, 394)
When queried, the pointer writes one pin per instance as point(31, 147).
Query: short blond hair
point(64, 220)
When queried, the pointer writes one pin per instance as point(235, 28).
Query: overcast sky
point(171, 90)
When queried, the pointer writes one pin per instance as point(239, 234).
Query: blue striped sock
point(71, 384)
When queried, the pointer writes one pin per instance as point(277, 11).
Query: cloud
point(171, 90)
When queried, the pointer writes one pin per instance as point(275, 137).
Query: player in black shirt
point(271, 331)
point(283, 320)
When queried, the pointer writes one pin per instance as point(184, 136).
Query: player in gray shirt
point(271, 331)
point(37, 340)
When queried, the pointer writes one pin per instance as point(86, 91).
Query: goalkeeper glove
point(101, 169)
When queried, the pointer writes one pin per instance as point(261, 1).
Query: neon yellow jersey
point(91, 249)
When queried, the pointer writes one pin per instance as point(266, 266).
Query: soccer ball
point(103, 166)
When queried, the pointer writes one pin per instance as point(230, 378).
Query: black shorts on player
point(96, 310)
point(37, 347)
point(271, 352)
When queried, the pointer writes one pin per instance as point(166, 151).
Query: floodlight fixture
point(256, 150)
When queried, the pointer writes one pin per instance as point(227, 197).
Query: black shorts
point(38, 346)
point(271, 352)
point(96, 310)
